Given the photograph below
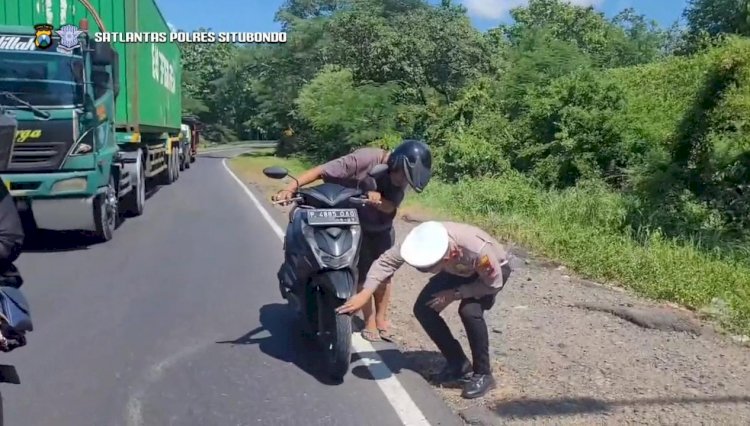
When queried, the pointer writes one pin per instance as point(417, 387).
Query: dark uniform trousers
point(471, 311)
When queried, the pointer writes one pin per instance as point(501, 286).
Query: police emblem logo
point(69, 38)
point(486, 267)
point(43, 36)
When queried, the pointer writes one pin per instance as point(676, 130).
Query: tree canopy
point(562, 95)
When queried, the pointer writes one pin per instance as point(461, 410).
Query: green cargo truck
point(96, 121)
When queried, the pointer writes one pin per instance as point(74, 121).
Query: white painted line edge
point(405, 407)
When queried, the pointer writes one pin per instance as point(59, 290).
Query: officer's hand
point(355, 303)
point(374, 197)
point(442, 299)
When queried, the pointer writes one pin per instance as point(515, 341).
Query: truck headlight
point(72, 184)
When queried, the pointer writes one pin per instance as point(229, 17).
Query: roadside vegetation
point(615, 146)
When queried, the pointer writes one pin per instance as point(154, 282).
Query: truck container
point(96, 123)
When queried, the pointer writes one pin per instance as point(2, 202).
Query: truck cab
point(64, 170)
point(191, 126)
point(186, 153)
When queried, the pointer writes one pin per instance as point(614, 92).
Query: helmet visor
point(417, 174)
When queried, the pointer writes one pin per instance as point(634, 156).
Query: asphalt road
point(178, 321)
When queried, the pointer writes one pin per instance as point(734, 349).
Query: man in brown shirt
point(409, 164)
point(470, 266)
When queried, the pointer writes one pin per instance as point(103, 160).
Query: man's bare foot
point(371, 335)
point(384, 330)
point(383, 324)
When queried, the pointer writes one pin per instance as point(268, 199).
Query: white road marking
point(134, 414)
point(405, 407)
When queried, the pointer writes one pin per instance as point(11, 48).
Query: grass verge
point(249, 167)
point(578, 228)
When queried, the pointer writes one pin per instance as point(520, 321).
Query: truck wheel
point(170, 167)
point(106, 212)
point(181, 159)
point(188, 158)
point(167, 176)
point(177, 164)
point(135, 201)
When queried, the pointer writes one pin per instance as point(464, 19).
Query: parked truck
point(191, 138)
point(96, 122)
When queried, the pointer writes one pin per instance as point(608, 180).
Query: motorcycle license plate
point(332, 217)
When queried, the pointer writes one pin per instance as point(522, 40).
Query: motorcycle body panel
point(311, 250)
point(319, 273)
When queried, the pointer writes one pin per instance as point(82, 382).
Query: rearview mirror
point(89, 112)
point(378, 171)
point(275, 172)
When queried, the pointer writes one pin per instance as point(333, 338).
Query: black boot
point(478, 385)
point(453, 372)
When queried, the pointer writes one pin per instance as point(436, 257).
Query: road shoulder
point(567, 350)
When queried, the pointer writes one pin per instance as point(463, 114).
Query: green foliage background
point(614, 145)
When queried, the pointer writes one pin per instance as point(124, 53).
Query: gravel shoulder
point(570, 351)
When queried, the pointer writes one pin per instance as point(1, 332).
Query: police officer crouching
point(468, 265)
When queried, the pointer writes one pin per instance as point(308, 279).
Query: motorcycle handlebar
point(362, 199)
point(289, 201)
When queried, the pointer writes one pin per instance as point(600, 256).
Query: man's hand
point(355, 303)
point(442, 299)
point(282, 196)
point(374, 197)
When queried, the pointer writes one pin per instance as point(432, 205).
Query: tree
point(628, 40)
point(294, 10)
point(344, 115)
point(203, 66)
point(716, 17)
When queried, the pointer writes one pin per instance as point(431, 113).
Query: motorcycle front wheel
point(335, 336)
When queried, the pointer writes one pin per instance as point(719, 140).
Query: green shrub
point(581, 227)
point(573, 131)
point(467, 155)
point(342, 115)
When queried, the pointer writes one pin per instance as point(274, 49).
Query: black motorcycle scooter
point(321, 251)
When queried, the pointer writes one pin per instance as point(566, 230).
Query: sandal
point(385, 335)
point(371, 336)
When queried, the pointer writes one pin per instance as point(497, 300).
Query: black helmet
point(414, 158)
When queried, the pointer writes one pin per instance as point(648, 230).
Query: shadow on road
point(529, 408)
point(217, 156)
point(258, 153)
point(46, 241)
point(279, 337)
point(229, 151)
point(424, 363)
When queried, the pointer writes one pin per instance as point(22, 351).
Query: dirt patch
point(569, 351)
point(655, 318)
